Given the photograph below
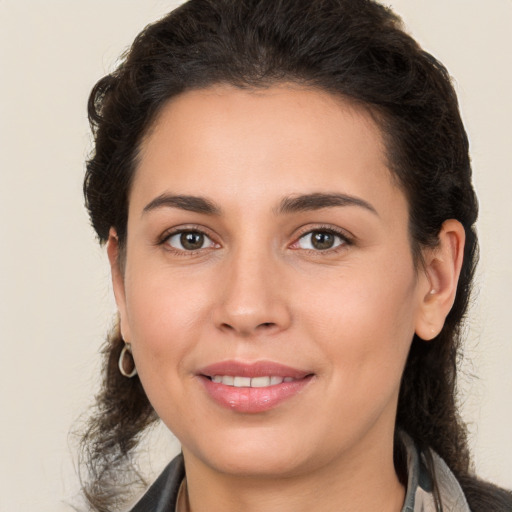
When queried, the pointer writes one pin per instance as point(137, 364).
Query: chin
point(253, 456)
point(259, 465)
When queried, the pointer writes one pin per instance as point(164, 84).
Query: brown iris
point(192, 240)
point(322, 240)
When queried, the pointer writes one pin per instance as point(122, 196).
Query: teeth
point(260, 382)
point(228, 380)
point(242, 382)
point(248, 382)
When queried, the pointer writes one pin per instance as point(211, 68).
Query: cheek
point(364, 319)
point(166, 315)
point(364, 331)
point(164, 311)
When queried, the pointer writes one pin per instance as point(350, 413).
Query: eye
point(320, 240)
point(189, 240)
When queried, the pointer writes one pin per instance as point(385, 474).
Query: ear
point(442, 266)
point(116, 270)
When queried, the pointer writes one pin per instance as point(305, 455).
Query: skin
point(258, 290)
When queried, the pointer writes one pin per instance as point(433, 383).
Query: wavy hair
point(356, 49)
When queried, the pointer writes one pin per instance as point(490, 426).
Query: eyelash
point(163, 241)
point(346, 240)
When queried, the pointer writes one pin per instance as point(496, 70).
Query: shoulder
point(430, 480)
point(484, 497)
point(162, 494)
point(480, 496)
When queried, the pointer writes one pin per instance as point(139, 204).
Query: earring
point(127, 348)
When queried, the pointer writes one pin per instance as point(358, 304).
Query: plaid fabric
point(419, 497)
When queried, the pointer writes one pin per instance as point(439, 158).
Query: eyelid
point(347, 237)
point(176, 230)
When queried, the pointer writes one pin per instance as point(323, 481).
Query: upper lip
point(253, 369)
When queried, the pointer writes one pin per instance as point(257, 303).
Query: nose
point(252, 298)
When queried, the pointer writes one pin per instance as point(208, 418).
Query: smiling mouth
point(248, 382)
point(253, 387)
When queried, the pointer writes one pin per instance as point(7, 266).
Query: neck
point(352, 484)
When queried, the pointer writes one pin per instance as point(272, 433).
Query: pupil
point(191, 240)
point(322, 240)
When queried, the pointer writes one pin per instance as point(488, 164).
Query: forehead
point(253, 144)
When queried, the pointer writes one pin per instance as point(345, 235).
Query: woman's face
point(269, 291)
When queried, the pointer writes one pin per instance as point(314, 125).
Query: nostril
point(246, 330)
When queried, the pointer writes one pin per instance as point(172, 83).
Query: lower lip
point(253, 400)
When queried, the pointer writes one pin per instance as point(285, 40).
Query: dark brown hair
point(356, 49)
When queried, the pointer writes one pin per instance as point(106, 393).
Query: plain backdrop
point(55, 299)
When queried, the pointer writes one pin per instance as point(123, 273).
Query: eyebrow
point(292, 204)
point(189, 203)
point(310, 202)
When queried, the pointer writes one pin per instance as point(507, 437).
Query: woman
point(285, 192)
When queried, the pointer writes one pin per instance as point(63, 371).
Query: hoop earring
point(127, 348)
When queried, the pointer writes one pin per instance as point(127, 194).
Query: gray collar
point(420, 497)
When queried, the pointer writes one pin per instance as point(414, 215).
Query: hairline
point(376, 113)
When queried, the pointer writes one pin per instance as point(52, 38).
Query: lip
point(253, 400)
point(256, 369)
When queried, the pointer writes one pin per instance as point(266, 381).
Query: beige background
point(55, 298)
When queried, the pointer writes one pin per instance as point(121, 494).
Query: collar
point(420, 496)
point(163, 494)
